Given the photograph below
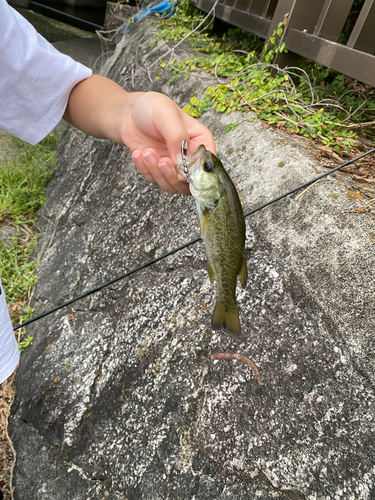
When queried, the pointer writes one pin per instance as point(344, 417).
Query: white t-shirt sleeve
point(9, 353)
point(35, 78)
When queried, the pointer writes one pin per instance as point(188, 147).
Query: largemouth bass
point(222, 226)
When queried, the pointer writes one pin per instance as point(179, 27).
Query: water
point(92, 13)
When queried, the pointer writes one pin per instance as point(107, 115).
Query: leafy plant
point(25, 343)
point(308, 100)
point(196, 107)
point(272, 47)
point(231, 126)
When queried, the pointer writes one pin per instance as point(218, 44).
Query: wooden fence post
point(283, 8)
point(332, 19)
point(362, 37)
point(303, 15)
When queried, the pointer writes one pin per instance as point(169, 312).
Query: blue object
point(164, 7)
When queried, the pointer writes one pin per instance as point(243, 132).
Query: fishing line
point(189, 243)
point(94, 290)
point(308, 183)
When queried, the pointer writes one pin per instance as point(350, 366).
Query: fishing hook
point(184, 159)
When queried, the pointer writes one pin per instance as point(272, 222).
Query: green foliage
point(25, 343)
point(23, 180)
point(231, 126)
point(196, 107)
point(22, 191)
point(212, 38)
point(17, 270)
point(311, 100)
point(272, 47)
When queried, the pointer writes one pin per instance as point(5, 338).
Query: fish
point(223, 230)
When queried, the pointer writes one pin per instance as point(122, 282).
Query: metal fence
point(313, 30)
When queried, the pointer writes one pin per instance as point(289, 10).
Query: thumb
point(172, 130)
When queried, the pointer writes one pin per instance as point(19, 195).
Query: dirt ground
point(7, 388)
point(7, 452)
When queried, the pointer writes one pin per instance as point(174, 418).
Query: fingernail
point(178, 158)
point(164, 168)
point(149, 158)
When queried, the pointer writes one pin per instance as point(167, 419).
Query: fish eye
point(207, 166)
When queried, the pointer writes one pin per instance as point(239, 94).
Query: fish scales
point(223, 231)
point(224, 255)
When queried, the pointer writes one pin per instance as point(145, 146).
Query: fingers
point(159, 171)
point(175, 125)
point(159, 123)
point(180, 126)
point(150, 158)
point(161, 126)
point(168, 170)
point(141, 166)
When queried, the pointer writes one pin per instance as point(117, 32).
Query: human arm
point(150, 124)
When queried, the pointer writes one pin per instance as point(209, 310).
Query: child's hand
point(150, 124)
point(154, 131)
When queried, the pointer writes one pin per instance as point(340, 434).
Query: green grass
point(23, 180)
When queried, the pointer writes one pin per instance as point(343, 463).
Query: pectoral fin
point(243, 272)
point(203, 223)
point(211, 272)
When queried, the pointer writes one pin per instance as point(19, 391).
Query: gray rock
point(118, 397)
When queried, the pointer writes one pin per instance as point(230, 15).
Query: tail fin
point(226, 316)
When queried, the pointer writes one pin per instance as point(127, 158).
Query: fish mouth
point(192, 161)
point(202, 190)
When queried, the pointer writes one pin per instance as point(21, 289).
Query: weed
point(308, 100)
point(23, 180)
point(25, 343)
point(22, 191)
point(273, 46)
